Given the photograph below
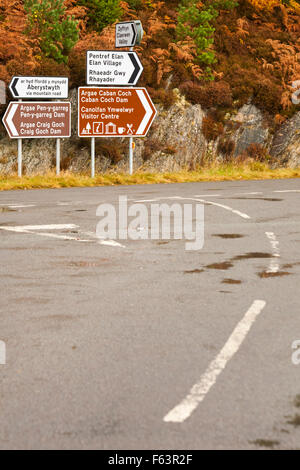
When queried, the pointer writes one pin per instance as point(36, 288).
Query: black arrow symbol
point(134, 34)
point(13, 86)
point(136, 68)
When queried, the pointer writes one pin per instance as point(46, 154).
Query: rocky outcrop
point(286, 143)
point(252, 129)
point(176, 140)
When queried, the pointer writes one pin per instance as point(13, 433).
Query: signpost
point(114, 112)
point(112, 68)
point(36, 119)
point(129, 33)
point(35, 88)
point(39, 87)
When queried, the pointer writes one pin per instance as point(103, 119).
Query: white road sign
point(129, 33)
point(39, 87)
point(113, 68)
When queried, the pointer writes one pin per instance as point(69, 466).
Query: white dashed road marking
point(21, 228)
point(204, 201)
point(274, 265)
point(34, 230)
point(198, 392)
point(111, 243)
point(287, 191)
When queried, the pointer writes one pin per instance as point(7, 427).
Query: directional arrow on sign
point(126, 34)
point(112, 68)
point(39, 87)
point(114, 112)
point(38, 119)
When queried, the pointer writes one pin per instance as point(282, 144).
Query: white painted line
point(287, 191)
point(21, 206)
point(204, 201)
point(111, 243)
point(41, 234)
point(16, 206)
point(208, 195)
point(230, 209)
point(21, 228)
point(147, 200)
point(274, 265)
point(60, 237)
point(198, 392)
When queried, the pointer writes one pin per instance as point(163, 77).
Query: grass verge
point(228, 172)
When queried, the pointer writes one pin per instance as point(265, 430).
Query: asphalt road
point(147, 345)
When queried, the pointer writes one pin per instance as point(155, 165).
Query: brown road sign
point(36, 120)
point(114, 112)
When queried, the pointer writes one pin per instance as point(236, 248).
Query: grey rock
point(252, 129)
point(175, 141)
point(286, 143)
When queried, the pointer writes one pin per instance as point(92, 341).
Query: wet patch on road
point(32, 300)
point(294, 421)
point(228, 235)
point(231, 281)
point(266, 274)
point(252, 255)
point(7, 209)
point(265, 443)
point(224, 265)
point(272, 199)
point(291, 265)
point(192, 271)
point(297, 401)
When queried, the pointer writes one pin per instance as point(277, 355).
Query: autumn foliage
point(254, 46)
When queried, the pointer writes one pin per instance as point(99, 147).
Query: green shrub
point(56, 33)
point(197, 22)
point(101, 13)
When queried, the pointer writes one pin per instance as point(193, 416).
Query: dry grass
point(228, 172)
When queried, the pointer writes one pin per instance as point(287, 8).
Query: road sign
point(39, 87)
point(36, 119)
point(129, 33)
point(114, 112)
point(112, 68)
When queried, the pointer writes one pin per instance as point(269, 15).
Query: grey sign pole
point(57, 156)
point(131, 148)
point(19, 156)
point(93, 157)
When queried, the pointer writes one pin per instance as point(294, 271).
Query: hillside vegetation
point(219, 53)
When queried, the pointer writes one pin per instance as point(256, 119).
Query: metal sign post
point(93, 157)
point(20, 156)
point(57, 156)
point(36, 119)
point(129, 34)
point(131, 148)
